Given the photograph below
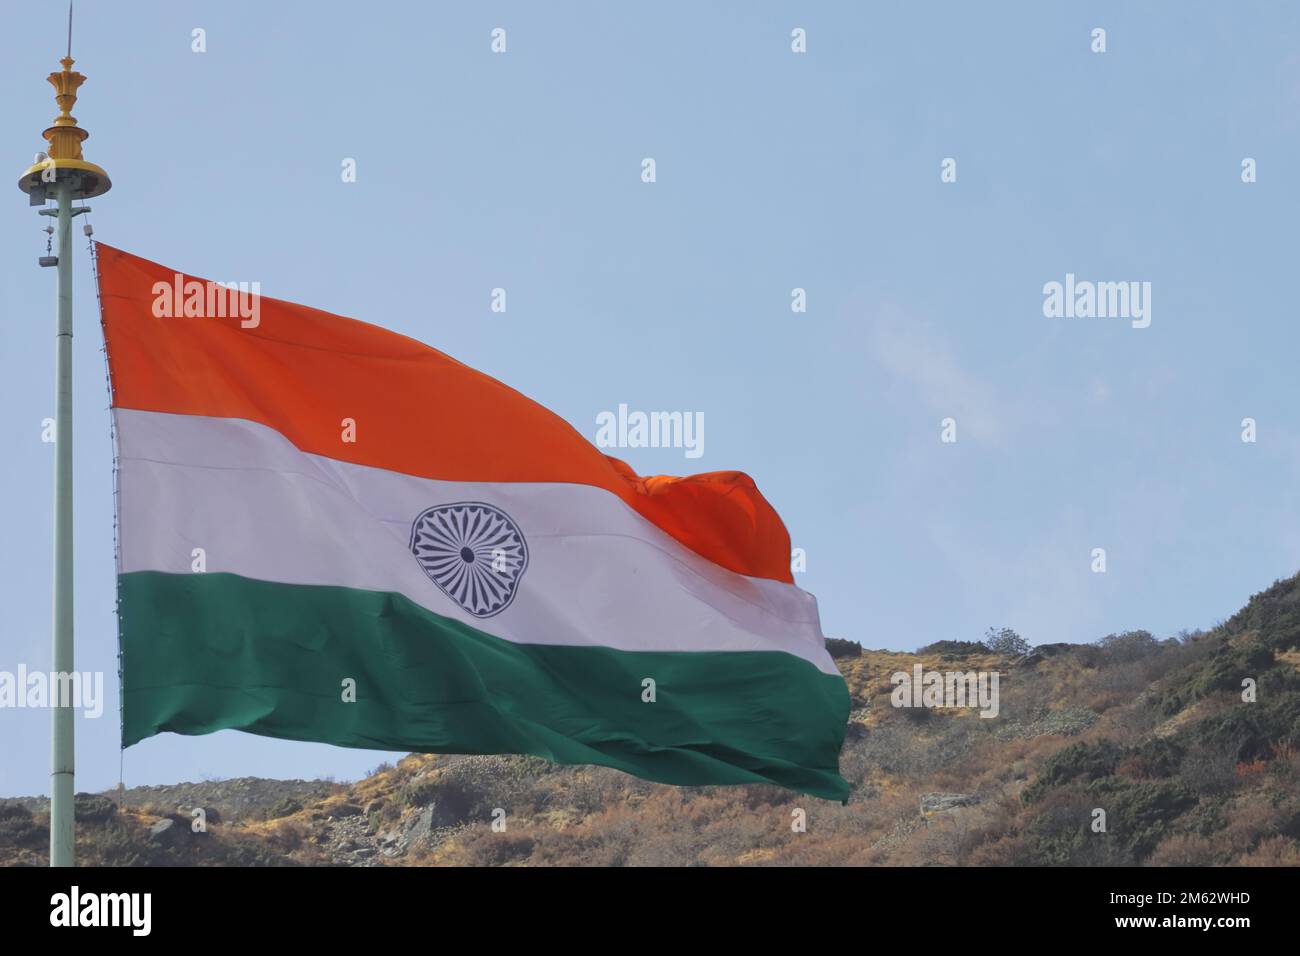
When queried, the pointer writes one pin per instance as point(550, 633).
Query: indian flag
point(330, 532)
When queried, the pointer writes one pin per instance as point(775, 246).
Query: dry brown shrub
point(1251, 818)
point(289, 835)
point(1251, 771)
point(1274, 851)
point(1009, 850)
point(1184, 849)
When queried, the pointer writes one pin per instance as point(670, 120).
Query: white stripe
point(598, 572)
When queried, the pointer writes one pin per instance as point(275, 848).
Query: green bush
point(1006, 642)
point(1082, 760)
point(839, 648)
point(1224, 670)
point(18, 828)
point(1140, 814)
point(13, 810)
point(1128, 647)
point(1057, 830)
point(1274, 614)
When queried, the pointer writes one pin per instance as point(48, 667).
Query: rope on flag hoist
point(93, 250)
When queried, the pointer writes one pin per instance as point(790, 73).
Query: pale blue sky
point(775, 170)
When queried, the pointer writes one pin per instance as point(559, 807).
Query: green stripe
point(208, 652)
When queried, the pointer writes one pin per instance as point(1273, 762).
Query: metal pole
point(63, 173)
point(62, 842)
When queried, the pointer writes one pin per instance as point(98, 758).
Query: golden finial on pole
point(63, 161)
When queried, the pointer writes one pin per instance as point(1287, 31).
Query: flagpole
point(63, 175)
point(62, 751)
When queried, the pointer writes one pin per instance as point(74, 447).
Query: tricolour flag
point(328, 531)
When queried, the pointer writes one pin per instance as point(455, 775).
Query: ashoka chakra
point(473, 552)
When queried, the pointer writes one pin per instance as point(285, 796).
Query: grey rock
point(943, 802)
point(419, 824)
point(165, 832)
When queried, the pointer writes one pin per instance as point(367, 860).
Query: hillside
point(1154, 733)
